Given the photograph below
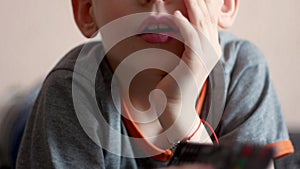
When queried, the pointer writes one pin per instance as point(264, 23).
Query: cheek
point(179, 5)
point(109, 11)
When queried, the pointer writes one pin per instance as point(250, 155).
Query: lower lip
point(155, 38)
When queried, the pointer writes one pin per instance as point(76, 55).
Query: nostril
point(144, 1)
point(150, 1)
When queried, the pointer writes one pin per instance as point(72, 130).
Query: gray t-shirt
point(241, 105)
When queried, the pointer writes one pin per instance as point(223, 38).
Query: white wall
point(36, 33)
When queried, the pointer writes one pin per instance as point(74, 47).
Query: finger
point(203, 8)
point(186, 29)
point(199, 51)
point(208, 23)
point(193, 48)
point(194, 12)
point(196, 41)
point(211, 6)
point(205, 21)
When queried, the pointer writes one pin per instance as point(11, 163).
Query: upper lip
point(158, 24)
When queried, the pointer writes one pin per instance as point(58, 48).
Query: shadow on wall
point(14, 118)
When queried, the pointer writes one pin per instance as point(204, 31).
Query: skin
point(194, 18)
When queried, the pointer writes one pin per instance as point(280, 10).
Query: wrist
point(184, 127)
point(200, 135)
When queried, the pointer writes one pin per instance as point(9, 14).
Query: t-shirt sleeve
point(252, 111)
point(53, 137)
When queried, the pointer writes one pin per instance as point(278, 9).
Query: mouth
point(157, 29)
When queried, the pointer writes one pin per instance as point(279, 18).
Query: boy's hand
point(202, 51)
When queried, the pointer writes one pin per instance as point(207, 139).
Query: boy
point(158, 105)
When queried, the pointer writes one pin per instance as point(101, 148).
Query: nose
point(144, 2)
point(156, 5)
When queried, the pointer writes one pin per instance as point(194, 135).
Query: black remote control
point(223, 157)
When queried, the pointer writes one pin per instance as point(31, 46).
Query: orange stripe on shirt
point(282, 148)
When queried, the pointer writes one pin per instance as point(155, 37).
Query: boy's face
point(106, 11)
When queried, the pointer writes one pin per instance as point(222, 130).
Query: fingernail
point(177, 13)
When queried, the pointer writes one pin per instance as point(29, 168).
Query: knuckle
point(213, 19)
